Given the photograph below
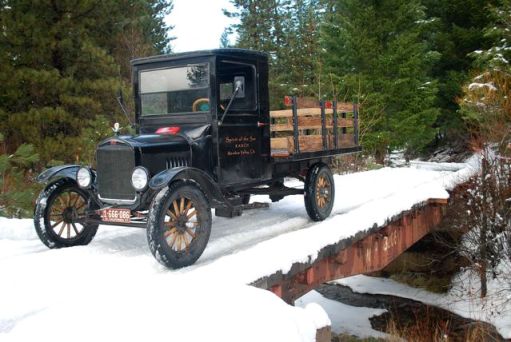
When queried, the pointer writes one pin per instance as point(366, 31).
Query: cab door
point(240, 134)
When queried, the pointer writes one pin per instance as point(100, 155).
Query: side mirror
point(239, 83)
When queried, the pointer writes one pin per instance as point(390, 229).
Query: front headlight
point(139, 178)
point(83, 177)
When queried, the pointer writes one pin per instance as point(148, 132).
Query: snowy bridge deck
point(277, 248)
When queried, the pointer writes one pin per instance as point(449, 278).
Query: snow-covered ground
point(114, 289)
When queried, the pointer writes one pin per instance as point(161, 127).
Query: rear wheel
point(319, 192)
point(179, 225)
point(60, 214)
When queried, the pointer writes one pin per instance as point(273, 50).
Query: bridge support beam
point(371, 252)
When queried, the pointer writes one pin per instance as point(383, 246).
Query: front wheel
point(60, 216)
point(319, 192)
point(179, 225)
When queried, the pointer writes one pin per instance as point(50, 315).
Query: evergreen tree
point(486, 104)
point(58, 67)
point(300, 59)
point(289, 31)
point(375, 52)
point(140, 31)
point(457, 29)
point(224, 39)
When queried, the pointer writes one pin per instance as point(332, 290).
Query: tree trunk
point(483, 252)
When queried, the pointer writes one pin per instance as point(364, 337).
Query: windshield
point(175, 90)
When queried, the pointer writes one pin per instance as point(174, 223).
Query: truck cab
point(189, 94)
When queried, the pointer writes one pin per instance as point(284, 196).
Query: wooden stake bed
point(322, 127)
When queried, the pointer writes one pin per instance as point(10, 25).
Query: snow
point(461, 299)
point(346, 319)
point(476, 85)
point(113, 288)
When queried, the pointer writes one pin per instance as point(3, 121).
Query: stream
point(418, 320)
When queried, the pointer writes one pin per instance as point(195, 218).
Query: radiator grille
point(115, 163)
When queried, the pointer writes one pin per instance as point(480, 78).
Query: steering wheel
point(200, 105)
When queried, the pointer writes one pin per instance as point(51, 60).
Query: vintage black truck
point(205, 139)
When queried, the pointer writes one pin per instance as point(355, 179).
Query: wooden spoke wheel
point(60, 216)
point(322, 191)
point(181, 222)
point(179, 225)
point(319, 192)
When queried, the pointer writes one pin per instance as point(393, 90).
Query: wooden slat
point(346, 140)
point(279, 143)
point(311, 143)
point(287, 113)
point(283, 147)
point(280, 153)
point(312, 102)
point(311, 123)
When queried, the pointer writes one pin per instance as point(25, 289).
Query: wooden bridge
point(368, 251)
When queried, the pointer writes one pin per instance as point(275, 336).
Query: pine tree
point(375, 52)
point(486, 105)
point(457, 29)
point(289, 31)
point(140, 31)
point(58, 67)
point(224, 39)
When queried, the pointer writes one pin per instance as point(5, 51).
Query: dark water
point(442, 324)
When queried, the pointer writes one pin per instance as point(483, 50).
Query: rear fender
point(57, 172)
point(206, 183)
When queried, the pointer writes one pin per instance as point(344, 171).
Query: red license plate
point(116, 215)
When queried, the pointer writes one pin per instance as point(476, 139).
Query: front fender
point(207, 184)
point(62, 171)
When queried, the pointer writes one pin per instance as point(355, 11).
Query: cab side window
point(228, 74)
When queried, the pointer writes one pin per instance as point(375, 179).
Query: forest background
point(427, 73)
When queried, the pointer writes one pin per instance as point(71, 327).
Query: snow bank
point(16, 229)
point(345, 319)
point(182, 312)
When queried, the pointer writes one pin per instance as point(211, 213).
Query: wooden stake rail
point(313, 129)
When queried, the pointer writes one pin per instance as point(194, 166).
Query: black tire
point(319, 192)
point(175, 236)
point(56, 209)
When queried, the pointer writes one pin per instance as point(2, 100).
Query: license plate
point(116, 215)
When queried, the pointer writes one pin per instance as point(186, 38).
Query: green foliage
point(380, 58)
point(486, 106)
point(288, 30)
point(59, 69)
point(16, 198)
point(498, 54)
point(457, 30)
point(224, 39)
point(62, 65)
point(96, 130)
